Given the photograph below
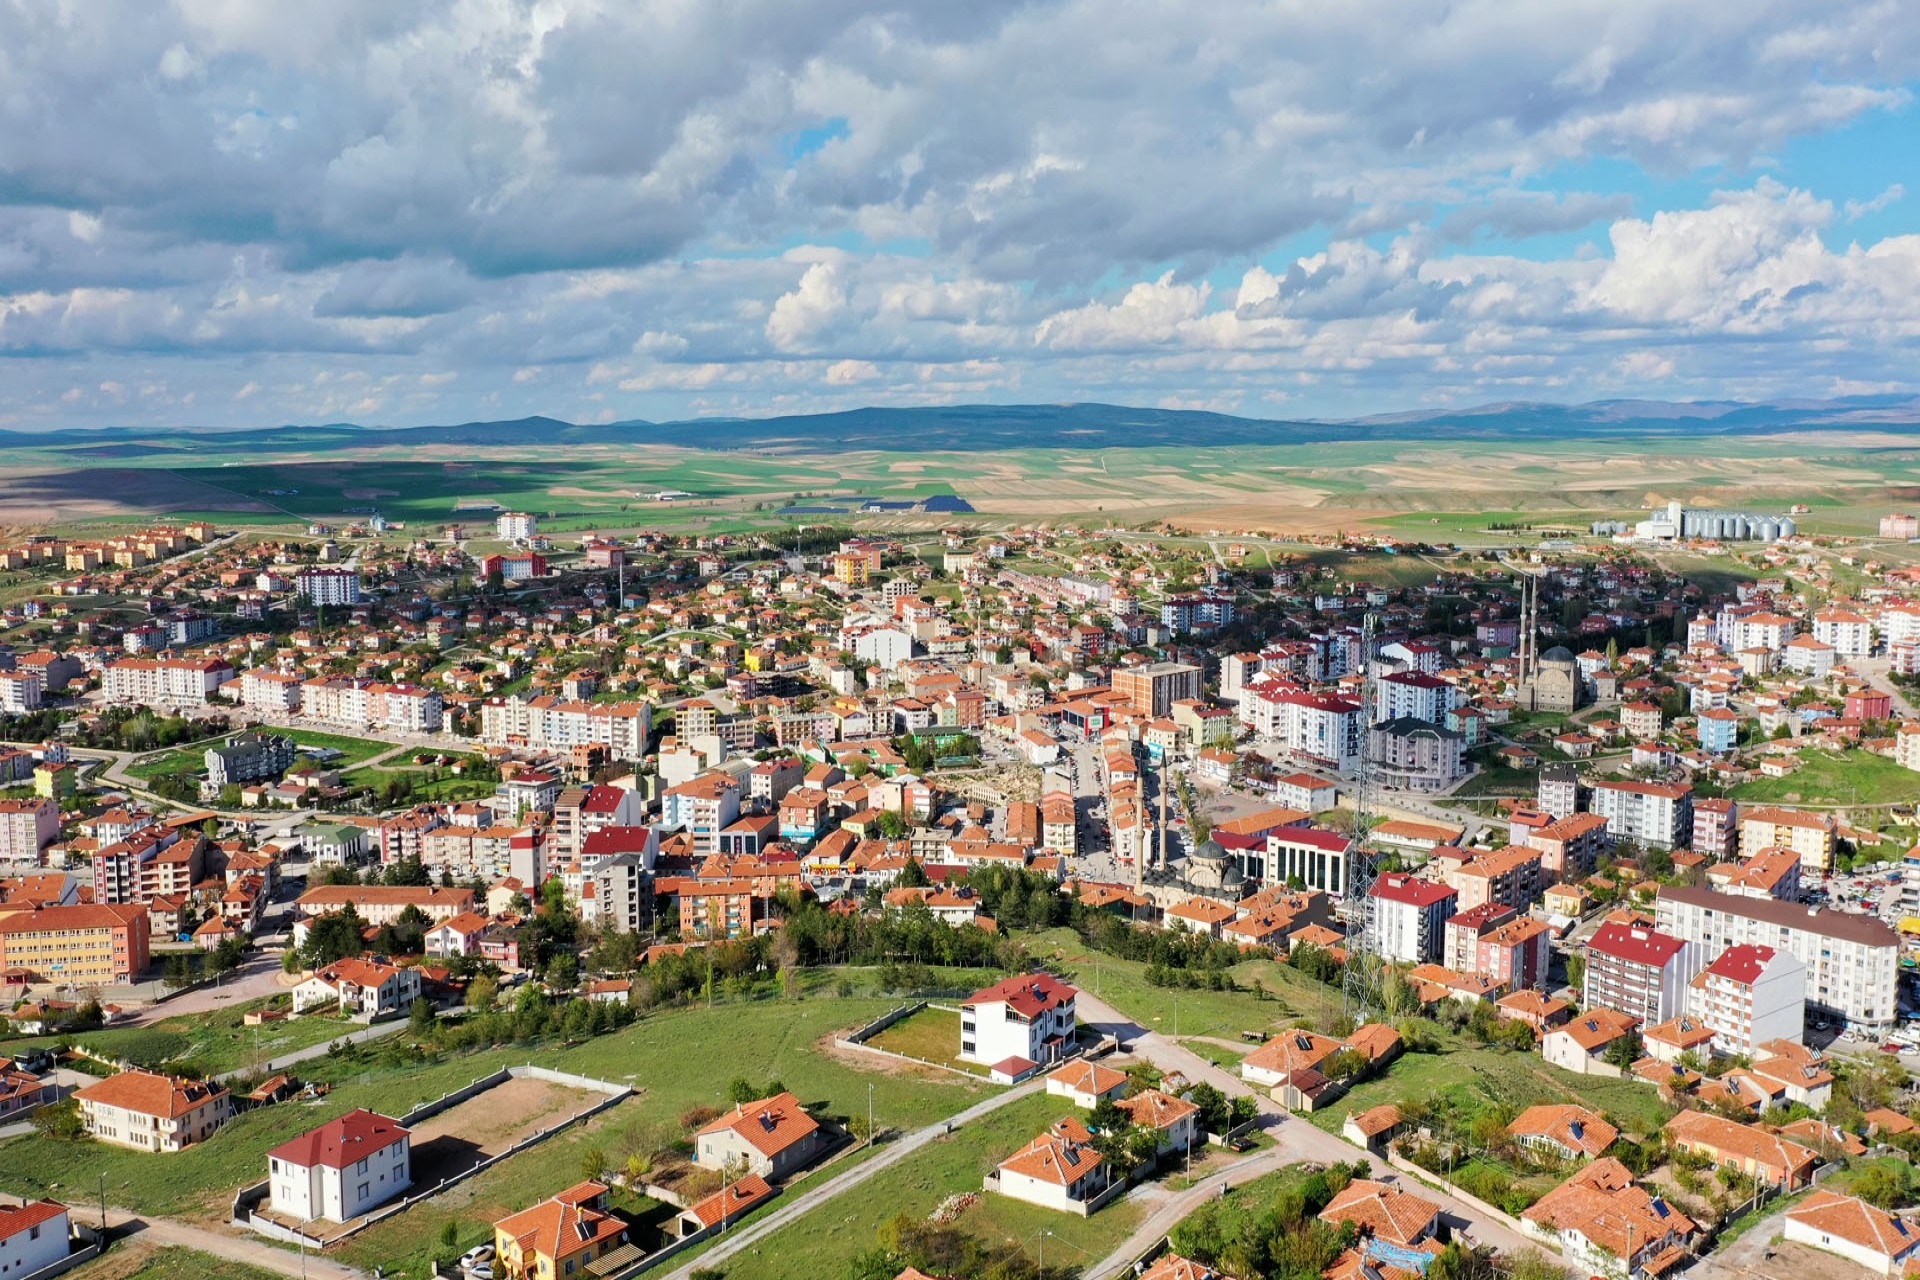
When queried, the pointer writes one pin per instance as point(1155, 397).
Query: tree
point(1624, 1051)
point(482, 992)
point(912, 875)
point(563, 971)
point(593, 1164)
point(420, 1020)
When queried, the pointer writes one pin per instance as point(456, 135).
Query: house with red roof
point(366, 989)
point(1018, 1024)
point(33, 1237)
point(1856, 1230)
point(341, 1170)
point(1057, 1170)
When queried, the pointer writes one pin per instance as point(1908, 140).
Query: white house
point(342, 1169)
point(1855, 1230)
point(33, 1237)
point(365, 988)
point(1086, 1083)
point(1030, 1018)
point(149, 1111)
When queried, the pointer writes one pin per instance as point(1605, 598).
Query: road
point(1297, 1139)
point(761, 1226)
point(166, 1231)
point(378, 1031)
point(1168, 1213)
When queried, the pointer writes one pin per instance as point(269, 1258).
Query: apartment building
point(1811, 835)
point(703, 807)
point(1515, 954)
point(1153, 688)
point(1716, 828)
point(168, 682)
point(329, 586)
point(21, 691)
point(1749, 996)
point(517, 526)
point(1571, 846)
point(1850, 633)
point(553, 724)
point(1558, 790)
point(87, 946)
point(1770, 873)
point(1462, 933)
point(1639, 972)
point(1408, 918)
point(1852, 961)
point(1656, 814)
point(1029, 1017)
point(249, 757)
point(1414, 694)
point(379, 904)
point(271, 690)
point(1516, 876)
point(26, 827)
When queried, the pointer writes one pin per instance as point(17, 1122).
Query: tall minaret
point(1162, 842)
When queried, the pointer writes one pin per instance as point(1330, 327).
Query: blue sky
point(227, 214)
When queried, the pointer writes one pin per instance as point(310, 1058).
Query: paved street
point(124, 1223)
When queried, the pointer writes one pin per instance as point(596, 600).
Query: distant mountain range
point(1038, 426)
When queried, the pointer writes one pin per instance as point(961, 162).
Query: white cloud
point(809, 310)
point(846, 373)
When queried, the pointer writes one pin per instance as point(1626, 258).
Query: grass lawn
point(931, 1034)
point(353, 750)
point(1500, 780)
point(214, 1042)
point(167, 1264)
point(1123, 984)
point(1836, 778)
point(823, 1243)
point(765, 1041)
point(1481, 1077)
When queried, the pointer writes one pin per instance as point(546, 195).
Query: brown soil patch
point(861, 1060)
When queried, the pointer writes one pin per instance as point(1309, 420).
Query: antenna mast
point(1357, 983)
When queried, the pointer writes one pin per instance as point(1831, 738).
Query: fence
point(246, 1203)
point(860, 1035)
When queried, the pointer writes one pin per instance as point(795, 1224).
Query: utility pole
point(103, 1204)
point(869, 1113)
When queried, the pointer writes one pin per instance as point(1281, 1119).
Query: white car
point(478, 1254)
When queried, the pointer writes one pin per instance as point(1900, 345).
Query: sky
point(247, 212)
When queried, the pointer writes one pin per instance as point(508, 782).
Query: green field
point(1838, 779)
point(208, 1043)
point(167, 1264)
point(932, 1035)
point(764, 1041)
point(1479, 1078)
point(822, 1243)
point(1123, 984)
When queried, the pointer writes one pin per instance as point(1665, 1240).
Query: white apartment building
point(1408, 918)
point(163, 681)
point(1749, 996)
point(271, 690)
point(1639, 972)
point(1320, 726)
point(342, 1169)
point(1411, 693)
point(1852, 961)
point(517, 526)
point(1658, 814)
point(1763, 631)
point(1850, 633)
point(152, 1112)
point(21, 691)
point(1028, 1017)
point(554, 724)
point(360, 704)
point(26, 827)
point(329, 586)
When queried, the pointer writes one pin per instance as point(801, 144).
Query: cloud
point(729, 207)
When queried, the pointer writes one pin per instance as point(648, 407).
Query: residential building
point(1716, 825)
point(1750, 995)
point(1463, 931)
point(1416, 755)
point(1515, 954)
point(170, 682)
point(1515, 876)
point(34, 1237)
point(1875, 1239)
point(366, 989)
point(250, 757)
point(1811, 835)
point(1580, 1044)
point(1408, 917)
point(1557, 791)
point(86, 946)
point(1570, 847)
point(1656, 814)
point(1609, 1227)
point(149, 1111)
point(1028, 1019)
point(1770, 873)
point(1760, 1155)
point(558, 1238)
point(1852, 961)
point(342, 1169)
point(1057, 1170)
point(27, 826)
point(329, 586)
point(1175, 1120)
point(1153, 688)
point(552, 724)
point(1563, 1132)
point(1640, 972)
point(774, 1138)
point(517, 526)
point(1085, 1083)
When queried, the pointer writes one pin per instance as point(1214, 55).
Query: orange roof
point(1156, 1110)
point(151, 1094)
point(1063, 1158)
point(1602, 1203)
point(1597, 1028)
point(1573, 1127)
point(1292, 1051)
point(565, 1225)
point(731, 1200)
point(770, 1125)
point(1088, 1077)
point(1383, 1212)
point(1727, 1139)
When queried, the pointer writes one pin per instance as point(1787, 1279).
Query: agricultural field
point(1836, 779)
point(825, 1241)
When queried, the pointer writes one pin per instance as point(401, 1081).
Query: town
point(961, 900)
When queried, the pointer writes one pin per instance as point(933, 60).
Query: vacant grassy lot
point(931, 1034)
point(353, 750)
point(1122, 984)
point(822, 1243)
point(1477, 1078)
point(135, 1262)
point(1836, 778)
